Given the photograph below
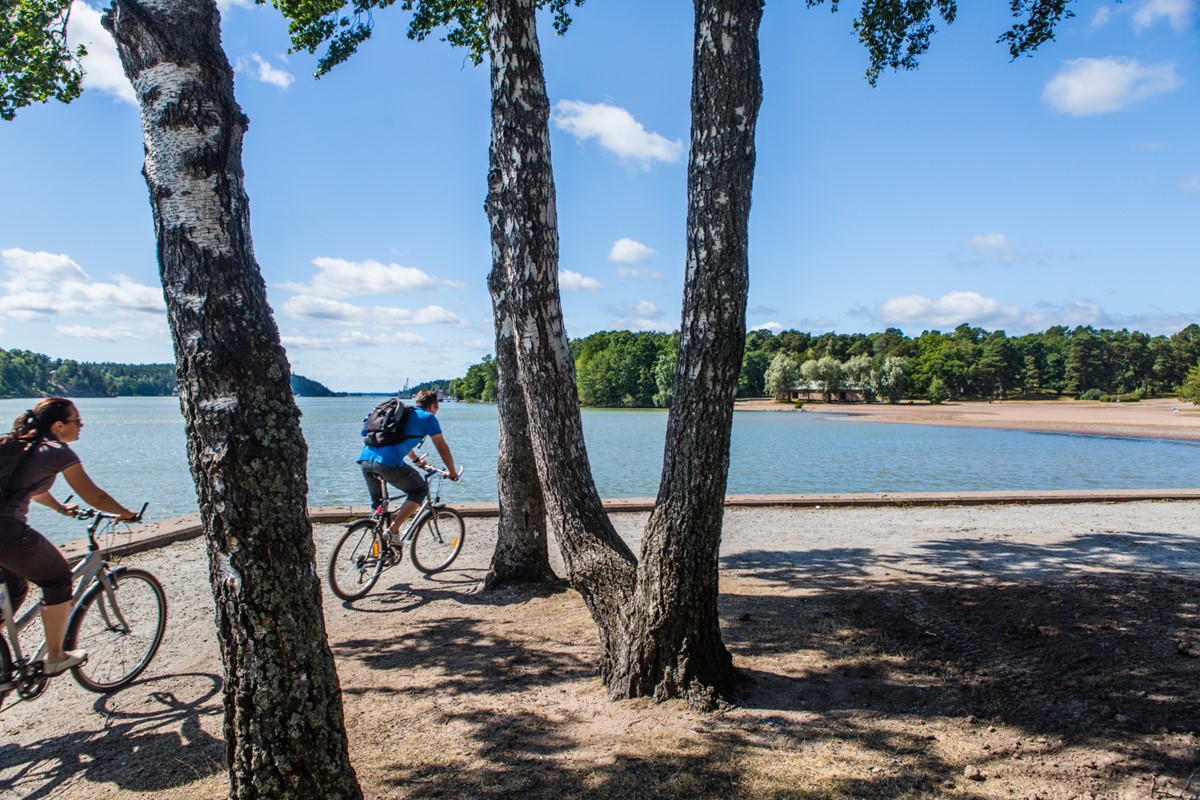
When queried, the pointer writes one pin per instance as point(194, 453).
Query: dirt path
point(989, 652)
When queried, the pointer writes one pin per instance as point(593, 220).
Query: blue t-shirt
point(420, 423)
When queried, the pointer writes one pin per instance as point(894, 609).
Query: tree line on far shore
point(27, 374)
point(636, 370)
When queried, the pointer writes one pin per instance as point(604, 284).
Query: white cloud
point(947, 311)
point(1087, 86)
point(616, 131)
point(352, 339)
point(35, 271)
point(639, 315)
point(629, 251)
point(43, 285)
point(339, 278)
point(645, 325)
point(992, 247)
point(1191, 184)
point(1101, 17)
point(640, 308)
point(639, 274)
point(955, 308)
point(102, 65)
point(152, 330)
point(996, 248)
point(308, 307)
point(269, 74)
point(570, 281)
point(644, 308)
point(1178, 13)
point(775, 327)
point(226, 5)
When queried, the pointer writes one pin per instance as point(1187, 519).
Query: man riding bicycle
point(387, 462)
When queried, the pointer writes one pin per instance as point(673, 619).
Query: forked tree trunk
point(284, 732)
point(524, 225)
point(673, 647)
point(521, 554)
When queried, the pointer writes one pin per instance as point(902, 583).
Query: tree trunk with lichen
point(522, 554)
point(659, 627)
point(524, 229)
point(284, 731)
point(672, 646)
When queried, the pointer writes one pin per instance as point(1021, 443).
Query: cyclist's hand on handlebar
point(69, 510)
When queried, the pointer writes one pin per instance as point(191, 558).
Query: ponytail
point(37, 421)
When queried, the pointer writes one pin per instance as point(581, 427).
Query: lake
point(134, 447)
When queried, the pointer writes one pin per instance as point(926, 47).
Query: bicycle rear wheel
point(356, 561)
point(121, 630)
point(438, 540)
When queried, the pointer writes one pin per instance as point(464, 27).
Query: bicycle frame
point(91, 570)
point(385, 511)
point(83, 574)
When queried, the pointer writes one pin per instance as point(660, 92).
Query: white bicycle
point(119, 616)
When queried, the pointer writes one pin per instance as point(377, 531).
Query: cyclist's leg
point(17, 587)
point(30, 555)
point(409, 481)
point(372, 479)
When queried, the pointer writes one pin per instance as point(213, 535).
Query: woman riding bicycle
point(25, 554)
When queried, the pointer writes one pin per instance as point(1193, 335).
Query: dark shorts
point(26, 555)
point(403, 477)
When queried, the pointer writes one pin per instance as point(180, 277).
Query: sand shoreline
point(1162, 418)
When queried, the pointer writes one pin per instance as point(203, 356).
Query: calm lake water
point(134, 448)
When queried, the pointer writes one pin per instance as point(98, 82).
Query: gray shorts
point(403, 477)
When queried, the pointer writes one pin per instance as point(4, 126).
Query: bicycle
point(434, 534)
point(118, 616)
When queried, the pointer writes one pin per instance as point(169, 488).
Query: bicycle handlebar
point(89, 513)
point(431, 470)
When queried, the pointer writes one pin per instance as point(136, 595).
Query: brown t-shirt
point(36, 475)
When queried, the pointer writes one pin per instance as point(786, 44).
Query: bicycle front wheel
point(438, 540)
point(356, 561)
point(120, 628)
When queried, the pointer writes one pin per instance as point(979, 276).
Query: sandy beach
point(1162, 418)
point(986, 652)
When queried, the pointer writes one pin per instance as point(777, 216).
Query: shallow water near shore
point(135, 448)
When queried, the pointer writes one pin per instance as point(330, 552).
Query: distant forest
point(27, 374)
point(626, 369)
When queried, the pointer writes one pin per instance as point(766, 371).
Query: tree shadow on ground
point(410, 593)
point(1068, 644)
point(151, 741)
point(1088, 641)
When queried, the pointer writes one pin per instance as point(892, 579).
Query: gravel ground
point(992, 651)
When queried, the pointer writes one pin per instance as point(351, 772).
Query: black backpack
point(13, 452)
point(385, 424)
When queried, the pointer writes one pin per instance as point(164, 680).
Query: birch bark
point(673, 646)
point(284, 730)
point(524, 230)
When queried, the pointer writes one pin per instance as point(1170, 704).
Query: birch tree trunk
point(524, 229)
point(521, 554)
point(673, 647)
point(284, 731)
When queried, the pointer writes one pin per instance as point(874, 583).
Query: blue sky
point(1058, 189)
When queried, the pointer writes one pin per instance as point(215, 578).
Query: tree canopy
point(340, 26)
point(36, 65)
